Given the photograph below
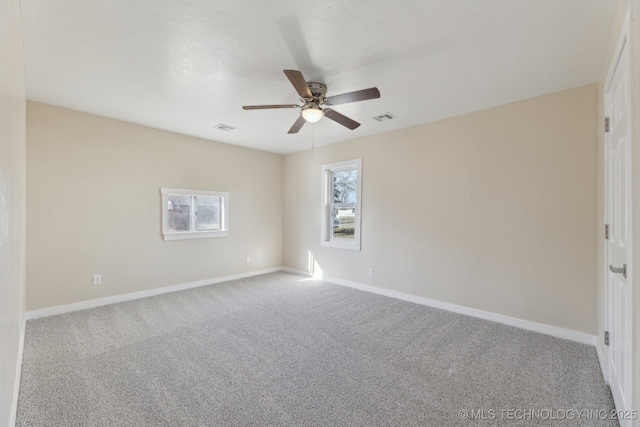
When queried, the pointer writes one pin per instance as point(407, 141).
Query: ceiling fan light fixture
point(313, 95)
point(312, 113)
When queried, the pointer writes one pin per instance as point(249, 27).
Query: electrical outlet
point(97, 279)
point(370, 272)
point(248, 259)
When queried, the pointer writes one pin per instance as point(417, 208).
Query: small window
point(342, 183)
point(194, 214)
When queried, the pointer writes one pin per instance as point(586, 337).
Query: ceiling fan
point(313, 96)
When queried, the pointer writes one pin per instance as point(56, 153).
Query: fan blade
point(297, 125)
point(298, 82)
point(341, 118)
point(359, 95)
point(266, 107)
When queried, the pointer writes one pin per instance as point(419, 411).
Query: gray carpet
point(280, 350)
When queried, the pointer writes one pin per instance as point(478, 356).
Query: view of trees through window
point(193, 213)
point(345, 185)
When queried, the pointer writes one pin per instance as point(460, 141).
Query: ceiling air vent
point(384, 117)
point(224, 127)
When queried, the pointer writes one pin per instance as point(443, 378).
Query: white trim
point(168, 234)
point(542, 328)
point(183, 235)
point(602, 361)
point(555, 331)
point(625, 40)
point(325, 216)
point(295, 271)
point(167, 191)
point(16, 385)
point(67, 308)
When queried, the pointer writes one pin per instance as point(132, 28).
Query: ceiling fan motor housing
point(317, 89)
point(313, 96)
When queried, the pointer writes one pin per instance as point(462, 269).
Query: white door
point(619, 219)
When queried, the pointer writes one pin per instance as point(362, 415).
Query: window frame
point(327, 205)
point(168, 234)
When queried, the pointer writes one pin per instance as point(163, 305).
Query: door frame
point(624, 39)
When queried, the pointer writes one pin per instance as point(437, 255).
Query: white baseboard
point(554, 331)
point(602, 361)
point(294, 271)
point(67, 308)
point(16, 385)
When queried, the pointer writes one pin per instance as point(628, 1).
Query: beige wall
point(494, 210)
point(93, 207)
point(635, 60)
point(12, 203)
point(623, 5)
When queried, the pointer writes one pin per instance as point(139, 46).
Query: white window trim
point(179, 235)
point(325, 225)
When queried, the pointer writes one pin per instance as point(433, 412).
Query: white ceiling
point(188, 65)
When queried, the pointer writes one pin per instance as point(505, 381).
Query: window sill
point(195, 235)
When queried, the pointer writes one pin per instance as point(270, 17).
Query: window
point(342, 183)
point(194, 214)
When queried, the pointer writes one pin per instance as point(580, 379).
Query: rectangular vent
point(384, 117)
point(224, 127)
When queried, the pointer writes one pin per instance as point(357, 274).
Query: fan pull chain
point(313, 138)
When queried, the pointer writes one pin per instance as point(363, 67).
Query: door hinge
point(606, 124)
point(606, 337)
point(606, 231)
